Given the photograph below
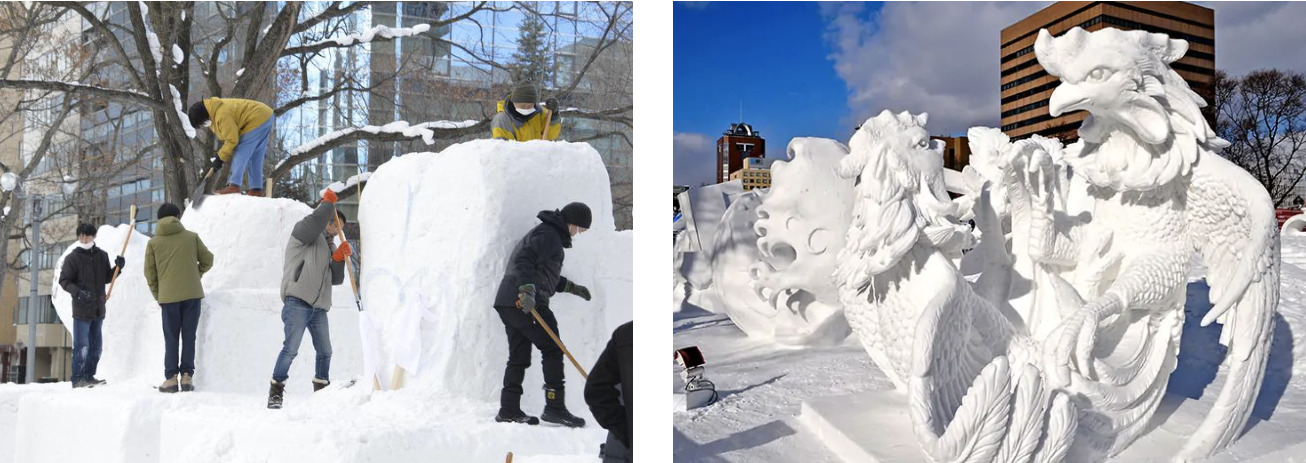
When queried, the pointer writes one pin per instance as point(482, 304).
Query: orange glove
point(343, 252)
point(329, 196)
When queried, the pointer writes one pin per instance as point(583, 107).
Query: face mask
point(85, 245)
point(526, 112)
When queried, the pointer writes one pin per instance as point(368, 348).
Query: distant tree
point(1263, 116)
point(532, 61)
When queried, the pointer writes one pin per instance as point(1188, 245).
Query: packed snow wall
point(438, 229)
point(240, 329)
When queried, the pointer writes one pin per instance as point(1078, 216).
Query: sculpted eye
point(922, 143)
point(1098, 75)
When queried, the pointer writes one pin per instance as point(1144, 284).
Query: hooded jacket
point(86, 269)
point(309, 272)
point(536, 259)
point(175, 259)
point(233, 117)
point(614, 409)
point(509, 124)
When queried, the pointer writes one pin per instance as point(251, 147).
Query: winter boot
point(255, 192)
point(93, 381)
point(170, 385)
point(78, 384)
point(187, 384)
point(555, 409)
point(227, 190)
point(320, 384)
point(275, 394)
point(510, 410)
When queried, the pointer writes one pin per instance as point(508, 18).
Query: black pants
point(180, 320)
point(523, 331)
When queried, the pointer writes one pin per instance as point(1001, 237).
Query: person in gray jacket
point(312, 267)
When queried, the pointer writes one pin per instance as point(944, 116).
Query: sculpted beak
point(1067, 98)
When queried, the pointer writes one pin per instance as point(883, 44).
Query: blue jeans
point(180, 320)
point(87, 344)
point(298, 315)
point(248, 156)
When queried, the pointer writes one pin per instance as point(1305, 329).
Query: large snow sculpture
point(733, 251)
point(800, 227)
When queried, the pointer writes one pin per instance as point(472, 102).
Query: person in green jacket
point(244, 127)
point(175, 258)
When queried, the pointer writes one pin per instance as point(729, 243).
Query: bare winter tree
point(1263, 116)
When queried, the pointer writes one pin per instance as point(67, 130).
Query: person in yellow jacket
point(521, 119)
point(244, 127)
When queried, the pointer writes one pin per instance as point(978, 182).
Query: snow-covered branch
point(79, 88)
point(375, 33)
point(394, 131)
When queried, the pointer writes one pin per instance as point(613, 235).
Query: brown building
point(1026, 87)
point(755, 174)
point(956, 152)
point(740, 142)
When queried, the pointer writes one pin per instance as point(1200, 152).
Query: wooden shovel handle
point(131, 226)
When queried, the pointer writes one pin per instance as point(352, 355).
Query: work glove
point(330, 196)
point(578, 290)
point(83, 296)
point(216, 163)
point(342, 252)
point(526, 297)
point(120, 262)
point(551, 104)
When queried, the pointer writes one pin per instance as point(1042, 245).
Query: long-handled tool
point(509, 458)
point(358, 301)
point(540, 319)
point(201, 191)
point(131, 224)
point(548, 119)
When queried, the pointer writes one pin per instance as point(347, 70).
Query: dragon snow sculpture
point(1064, 347)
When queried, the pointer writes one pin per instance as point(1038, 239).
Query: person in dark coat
point(532, 278)
point(84, 274)
point(610, 394)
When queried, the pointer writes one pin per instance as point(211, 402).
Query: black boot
point(275, 394)
point(510, 410)
point(555, 409)
point(320, 384)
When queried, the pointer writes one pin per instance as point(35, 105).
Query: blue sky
point(817, 69)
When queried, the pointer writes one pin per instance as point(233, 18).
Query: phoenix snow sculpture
point(1064, 346)
point(1160, 193)
point(958, 358)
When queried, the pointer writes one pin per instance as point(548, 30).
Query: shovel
point(131, 223)
point(366, 326)
point(201, 191)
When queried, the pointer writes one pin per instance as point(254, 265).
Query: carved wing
point(1231, 224)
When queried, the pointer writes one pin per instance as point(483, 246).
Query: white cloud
point(693, 159)
point(935, 57)
point(1259, 35)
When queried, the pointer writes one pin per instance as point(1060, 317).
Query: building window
point(44, 314)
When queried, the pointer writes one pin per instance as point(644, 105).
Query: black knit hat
point(524, 92)
point(577, 214)
point(169, 210)
point(198, 114)
point(85, 229)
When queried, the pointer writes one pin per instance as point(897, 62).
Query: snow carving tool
point(699, 392)
point(131, 224)
point(365, 323)
point(201, 191)
point(548, 330)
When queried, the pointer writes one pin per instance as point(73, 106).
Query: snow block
point(703, 208)
point(438, 229)
point(240, 329)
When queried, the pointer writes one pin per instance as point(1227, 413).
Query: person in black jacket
point(532, 278)
point(611, 396)
point(84, 274)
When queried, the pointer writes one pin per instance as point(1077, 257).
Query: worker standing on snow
point(532, 277)
point(521, 119)
point(244, 127)
point(84, 273)
point(175, 259)
point(310, 263)
point(611, 397)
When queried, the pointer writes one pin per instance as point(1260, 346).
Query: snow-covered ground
point(762, 387)
point(437, 231)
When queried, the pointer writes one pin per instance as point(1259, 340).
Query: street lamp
point(11, 183)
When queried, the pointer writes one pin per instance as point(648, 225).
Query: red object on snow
point(1284, 214)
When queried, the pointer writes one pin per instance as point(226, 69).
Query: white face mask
point(526, 112)
point(85, 245)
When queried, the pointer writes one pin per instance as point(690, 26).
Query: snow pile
point(377, 31)
point(240, 330)
point(438, 231)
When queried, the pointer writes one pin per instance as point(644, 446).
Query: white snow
point(437, 230)
point(181, 112)
point(376, 31)
point(177, 55)
point(240, 72)
point(763, 386)
point(423, 130)
point(347, 184)
point(155, 48)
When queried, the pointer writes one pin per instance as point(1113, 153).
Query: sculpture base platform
point(874, 427)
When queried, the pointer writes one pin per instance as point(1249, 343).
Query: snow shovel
point(548, 330)
point(201, 191)
point(366, 326)
point(131, 222)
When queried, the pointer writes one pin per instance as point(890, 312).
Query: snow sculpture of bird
point(1161, 193)
point(973, 392)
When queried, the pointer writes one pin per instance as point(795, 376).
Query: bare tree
point(1263, 116)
